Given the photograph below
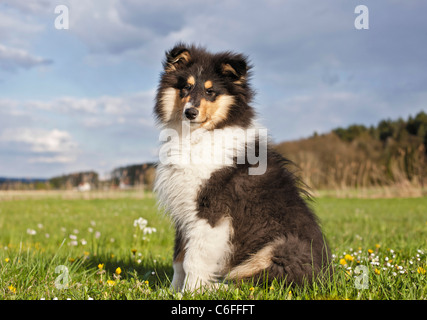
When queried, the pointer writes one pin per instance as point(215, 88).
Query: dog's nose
point(191, 113)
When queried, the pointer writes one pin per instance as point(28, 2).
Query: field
point(93, 246)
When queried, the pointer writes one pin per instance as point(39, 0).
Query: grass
point(105, 256)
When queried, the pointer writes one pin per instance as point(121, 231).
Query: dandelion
point(251, 289)
point(421, 270)
point(133, 251)
point(377, 246)
point(146, 282)
point(377, 271)
point(118, 271)
point(348, 257)
point(12, 289)
point(7, 260)
point(343, 262)
point(370, 251)
point(111, 283)
point(100, 266)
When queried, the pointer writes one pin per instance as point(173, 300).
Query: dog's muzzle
point(190, 112)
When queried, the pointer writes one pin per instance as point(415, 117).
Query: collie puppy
point(239, 214)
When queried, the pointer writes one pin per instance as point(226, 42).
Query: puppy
point(238, 212)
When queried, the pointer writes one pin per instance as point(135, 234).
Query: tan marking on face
point(211, 113)
point(208, 84)
point(191, 80)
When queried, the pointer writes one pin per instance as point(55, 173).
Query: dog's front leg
point(206, 254)
point(178, 276)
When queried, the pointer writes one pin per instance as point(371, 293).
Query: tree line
point(393, 152)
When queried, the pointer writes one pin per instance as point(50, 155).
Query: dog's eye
point(210, 92)
point(188, 87)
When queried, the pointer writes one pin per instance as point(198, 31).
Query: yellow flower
point(377, 246)
point(421, 270)
point(377, 271)
point(86, 253)
point(111, 283)
point(251, 289)
point(348, 257)
point(133, 251)
point(12, 289)
point(271, 288)
point(146, 282)
point(100, 266)
point(343, 262)
point(118, 270)
point(7, 259)
point(370, 251)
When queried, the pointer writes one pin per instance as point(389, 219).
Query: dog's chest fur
point(192, 161)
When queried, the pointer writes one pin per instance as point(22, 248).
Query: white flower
point(84, 242)
point(149, 230)
point(141, 223)
point(73, 237)
point(31, 232)
point(97, 234)
point(40, 226)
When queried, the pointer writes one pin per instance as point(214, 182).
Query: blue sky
point(82, 98)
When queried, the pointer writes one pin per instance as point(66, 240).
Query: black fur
point(262, 208)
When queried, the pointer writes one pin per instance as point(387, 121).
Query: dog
point(239, 213)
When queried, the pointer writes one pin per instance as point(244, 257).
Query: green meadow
point(53, 247)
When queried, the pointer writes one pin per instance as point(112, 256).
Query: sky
point(81, 98)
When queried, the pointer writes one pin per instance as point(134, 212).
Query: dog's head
point(208, 90)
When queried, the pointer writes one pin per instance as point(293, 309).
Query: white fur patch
point(192, 157)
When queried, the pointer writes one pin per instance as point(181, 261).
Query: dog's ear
point(177, 58)
point(235, 67)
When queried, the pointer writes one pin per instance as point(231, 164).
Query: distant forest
point(390, 153)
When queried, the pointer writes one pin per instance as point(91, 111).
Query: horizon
point(81, 98)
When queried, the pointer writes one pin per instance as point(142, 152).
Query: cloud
point(12, 59)
point(47, 146)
